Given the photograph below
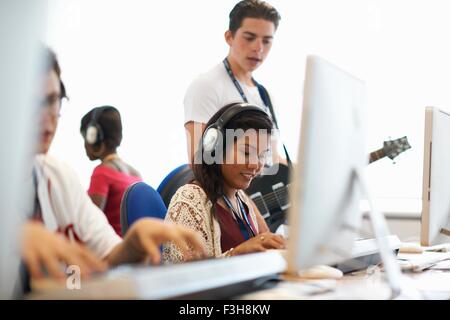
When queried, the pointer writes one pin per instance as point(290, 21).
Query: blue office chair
point(139, 201)
point(174, 180)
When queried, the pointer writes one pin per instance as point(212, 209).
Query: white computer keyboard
point(414, 262)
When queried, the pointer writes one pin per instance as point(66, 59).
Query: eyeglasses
point(251, 156)
point(52, 103)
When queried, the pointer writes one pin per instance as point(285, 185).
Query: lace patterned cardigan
point(191, 208)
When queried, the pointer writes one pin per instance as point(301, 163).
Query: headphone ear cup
point(91, 134)
point(94, 132)
point(210, 139)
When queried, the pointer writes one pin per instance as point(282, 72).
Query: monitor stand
point(398, 284)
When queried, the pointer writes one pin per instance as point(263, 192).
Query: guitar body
point(269, 192)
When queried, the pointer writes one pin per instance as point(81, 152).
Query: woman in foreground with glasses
point(234, 149)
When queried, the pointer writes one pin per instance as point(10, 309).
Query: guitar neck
point(376, 155)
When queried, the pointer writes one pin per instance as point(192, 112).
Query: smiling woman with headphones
point(101, 129)
point(233, 150)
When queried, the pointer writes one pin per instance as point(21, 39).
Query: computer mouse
point(321, 272)
point(410, 247)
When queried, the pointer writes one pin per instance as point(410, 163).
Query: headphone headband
point(235, 110)
point(212, 133)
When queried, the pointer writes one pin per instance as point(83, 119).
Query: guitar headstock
point(393, 148)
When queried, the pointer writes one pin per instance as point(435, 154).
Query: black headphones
point(94, 133)
point(215, 132)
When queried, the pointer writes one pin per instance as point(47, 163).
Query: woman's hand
point(146, 235)
point(260, 242)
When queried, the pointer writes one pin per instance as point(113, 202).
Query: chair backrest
point(173, 181)
point(140, 200)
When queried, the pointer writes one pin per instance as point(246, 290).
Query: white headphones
point(94, 132)
point(214, 133)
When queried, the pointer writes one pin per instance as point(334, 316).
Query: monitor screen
point(435, 227)
point(325, 213)
point(19, 64)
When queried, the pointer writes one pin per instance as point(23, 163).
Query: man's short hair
point(53, 64)
point(252, 9)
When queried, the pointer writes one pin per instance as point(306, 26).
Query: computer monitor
point(325, 213)
point(435, 227)
point(21, 27)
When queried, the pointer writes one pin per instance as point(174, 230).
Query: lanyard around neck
point(244, 223)
point(235, 82)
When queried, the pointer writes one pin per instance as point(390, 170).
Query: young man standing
point(251, 31)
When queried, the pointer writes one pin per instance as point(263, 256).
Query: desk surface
point(433, 283)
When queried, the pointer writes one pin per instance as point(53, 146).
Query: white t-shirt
point(67, 208)
point(213, 90)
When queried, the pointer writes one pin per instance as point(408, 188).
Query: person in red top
point(101, 129)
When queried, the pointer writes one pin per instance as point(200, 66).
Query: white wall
point(140, 56)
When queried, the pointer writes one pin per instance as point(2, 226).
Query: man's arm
point(146, 235)
point(194, 132)
point(141, 241)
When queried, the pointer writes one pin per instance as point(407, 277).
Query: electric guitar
point(391, 149)
point(270, 192)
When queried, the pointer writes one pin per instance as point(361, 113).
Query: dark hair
point(53, 64)
point(252, 9)
point(209, 176)
point(109, 120)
